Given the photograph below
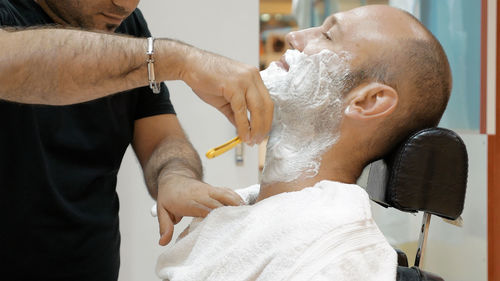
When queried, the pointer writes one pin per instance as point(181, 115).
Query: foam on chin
point(307, 113)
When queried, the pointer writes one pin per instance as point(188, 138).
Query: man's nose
point(299, 39)
point(294, 40)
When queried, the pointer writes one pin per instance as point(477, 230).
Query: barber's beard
point(308, 106)
point(111, 27)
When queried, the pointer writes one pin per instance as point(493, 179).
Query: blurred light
point(265, 17)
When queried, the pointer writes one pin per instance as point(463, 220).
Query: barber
point(73, 96)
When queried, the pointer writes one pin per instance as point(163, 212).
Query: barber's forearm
point(63, 66)
point(173, 157)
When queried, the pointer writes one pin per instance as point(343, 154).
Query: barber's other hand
point(233, 88)
point(180, 196)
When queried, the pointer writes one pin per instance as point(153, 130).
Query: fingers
point(239, 108)
point(211, 203)
point(259, 104)
point(197, 209)
point(235, 89)
point(261, 109)
point(226, 196)
point(228, 112)
point(218, 197)
point(265, 110)
point(177, 219)
point(203, 206)
point(166, 226)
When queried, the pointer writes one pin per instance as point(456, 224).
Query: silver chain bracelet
point(155, 87)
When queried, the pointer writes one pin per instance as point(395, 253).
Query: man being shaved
point(345, 94)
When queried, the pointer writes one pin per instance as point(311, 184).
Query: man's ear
point(372, 100)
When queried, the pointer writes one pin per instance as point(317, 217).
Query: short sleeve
point(4, 19)
point(150, 104)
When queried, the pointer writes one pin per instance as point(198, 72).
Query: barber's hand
point(180, 196)
point(233, 88)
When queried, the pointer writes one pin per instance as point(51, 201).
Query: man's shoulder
point(353, 193)
point(6, 13)
point(135, 25)
point(335, 185)
point(22, 13)
point(6, 5)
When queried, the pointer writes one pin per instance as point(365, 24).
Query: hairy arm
point(173, 173)
point(63, 66)
point(174, 157)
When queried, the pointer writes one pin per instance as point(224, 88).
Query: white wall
point(226, 27)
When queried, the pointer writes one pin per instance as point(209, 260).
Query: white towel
point(324, 232)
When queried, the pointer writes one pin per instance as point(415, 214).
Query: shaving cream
point(307, 113)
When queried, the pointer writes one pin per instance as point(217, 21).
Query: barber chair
point(428, 173)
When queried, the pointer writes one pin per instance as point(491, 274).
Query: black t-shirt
point(58, 167)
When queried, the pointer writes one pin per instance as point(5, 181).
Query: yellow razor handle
point(214, 152)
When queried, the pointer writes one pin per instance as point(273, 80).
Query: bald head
point(409, 59)
point(399, 79)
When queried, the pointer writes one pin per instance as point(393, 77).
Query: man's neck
point(334, 167)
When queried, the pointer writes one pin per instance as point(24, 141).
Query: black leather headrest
point(427, 172)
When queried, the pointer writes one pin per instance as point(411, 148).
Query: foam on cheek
point(307, 113)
